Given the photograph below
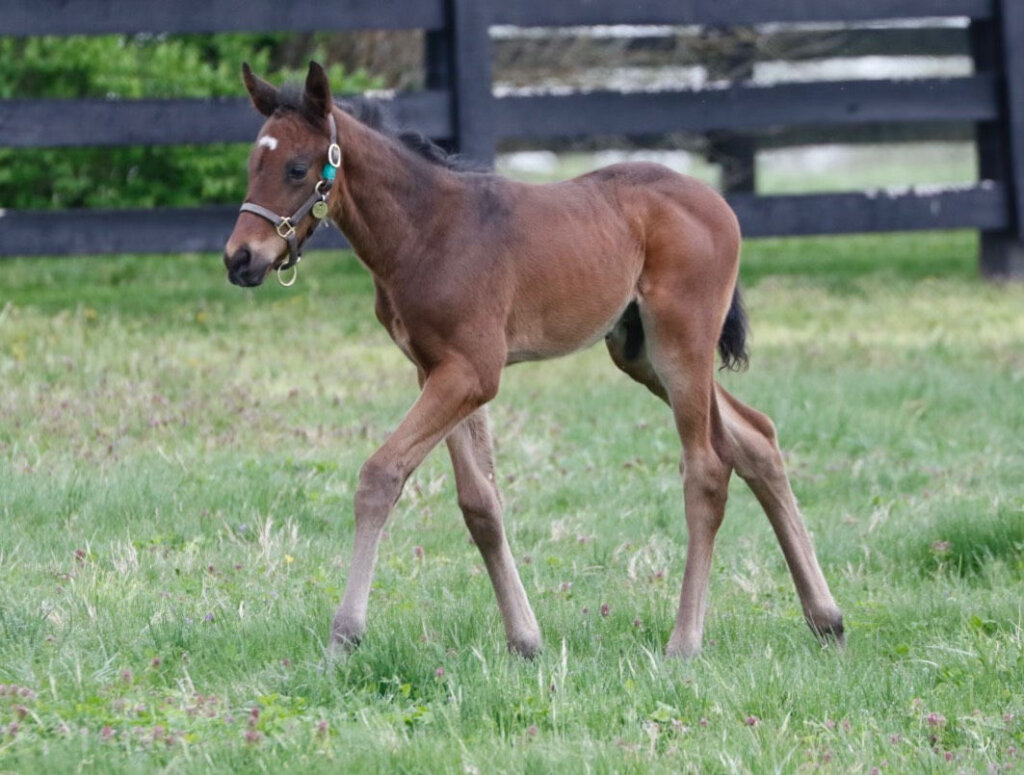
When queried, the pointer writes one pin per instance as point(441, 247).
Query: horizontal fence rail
point(204, 229)
point(104, 17)
point(59, 17)
point(89, 122)
point(459, 108)
point(749, 107)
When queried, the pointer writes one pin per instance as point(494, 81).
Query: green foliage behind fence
point(132, 67)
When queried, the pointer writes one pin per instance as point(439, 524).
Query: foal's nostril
point(240, 259)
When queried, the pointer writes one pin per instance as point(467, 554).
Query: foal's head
point(290, 169)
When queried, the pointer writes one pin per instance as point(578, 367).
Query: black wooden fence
point(459, 108)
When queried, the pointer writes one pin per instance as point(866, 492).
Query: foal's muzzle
point(245, 269)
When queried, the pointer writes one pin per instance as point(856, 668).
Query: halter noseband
point(286, 225)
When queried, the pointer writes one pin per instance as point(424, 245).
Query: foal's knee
point(380, 484)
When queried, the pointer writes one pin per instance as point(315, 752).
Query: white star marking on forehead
point(268, 142)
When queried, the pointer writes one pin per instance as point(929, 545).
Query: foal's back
point(573, 255)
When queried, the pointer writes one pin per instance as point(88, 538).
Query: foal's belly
point(568, 307)
point(533, 345)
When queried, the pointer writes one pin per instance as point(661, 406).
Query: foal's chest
point(392, 321)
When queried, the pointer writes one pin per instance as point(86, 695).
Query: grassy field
point(178, 459)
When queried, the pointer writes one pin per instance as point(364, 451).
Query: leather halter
point(286, 226)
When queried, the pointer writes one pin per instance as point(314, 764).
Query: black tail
point(732, 344)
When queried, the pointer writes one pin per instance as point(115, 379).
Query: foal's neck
point(388, 197)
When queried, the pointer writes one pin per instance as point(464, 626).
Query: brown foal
point(474, 272)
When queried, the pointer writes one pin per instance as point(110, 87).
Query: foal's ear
point(263, 94)
point(316, 99)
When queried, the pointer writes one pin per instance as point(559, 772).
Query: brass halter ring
point(291, 281)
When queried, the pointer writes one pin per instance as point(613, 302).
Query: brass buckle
point(286, 225)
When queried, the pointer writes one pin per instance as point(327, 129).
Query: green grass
point(178, 459)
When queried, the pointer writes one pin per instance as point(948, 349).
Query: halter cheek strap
point(286, 226)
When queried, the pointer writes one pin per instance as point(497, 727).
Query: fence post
point(996, 45)
point(458, 59)
point(735, 153)
point(437, 70)
point(1011, 21)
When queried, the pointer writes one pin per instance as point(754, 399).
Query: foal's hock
point(474, 272)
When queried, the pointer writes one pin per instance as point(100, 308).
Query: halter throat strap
point(286, 226)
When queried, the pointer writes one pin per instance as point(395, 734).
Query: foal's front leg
point(473, 462)
point(451, 392)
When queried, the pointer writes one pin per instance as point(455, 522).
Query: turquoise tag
point(329, 172)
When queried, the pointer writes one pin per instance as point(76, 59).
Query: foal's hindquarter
point(551, 269)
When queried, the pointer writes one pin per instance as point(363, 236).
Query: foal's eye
point(297, 171)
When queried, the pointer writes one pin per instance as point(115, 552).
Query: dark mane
point(373, 114)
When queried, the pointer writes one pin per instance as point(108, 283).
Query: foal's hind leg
point(473, 461)
point(749, 441)
point(681, 348)
point(755, 454)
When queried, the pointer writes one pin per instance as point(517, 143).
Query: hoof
point(681, 653)
point(527, 647)
point(337, 652)
point(828, 628)
point(346, 635)
point(679, 648)
point(344, 644)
